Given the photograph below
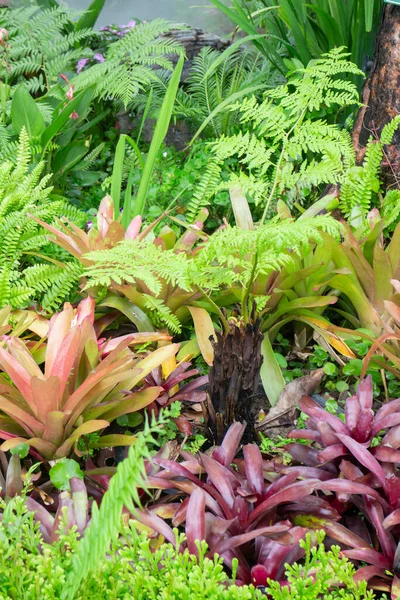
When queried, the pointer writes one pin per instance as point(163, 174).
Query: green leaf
point(281, 360)
point(330, 368)
point(271, 374)
point(68, 157)
point(130, 310)
point(295, 17)
point(354, 367)
point(64, 470)
point(90, 16)
point(268, 45)
point(160, 132)
point(369, 14)
point(86, 178)
point(80, 104)
point(341, 386)
point(25, 113)
point(47, 3)
point(117, 174)
point(22, 450)
point(131, 420)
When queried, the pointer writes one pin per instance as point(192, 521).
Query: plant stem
point(275, 185)
point(246, 290)
point(278, 166)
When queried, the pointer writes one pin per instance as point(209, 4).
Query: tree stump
point(193, 40)
point(381, 94)
point(234, 379)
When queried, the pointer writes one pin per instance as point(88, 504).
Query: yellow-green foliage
point(25, 277)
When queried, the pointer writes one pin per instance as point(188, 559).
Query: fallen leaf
point(285, 409)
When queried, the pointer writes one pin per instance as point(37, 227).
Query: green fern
point(389, 130)
point(323, 574)
point(55, 282)
point(132, 261)
point(161, 314)
point(39, 47)
point(129, 61)
point(391, 209)
point(204, 190)
point(280, 146)
point(214, 77)
point(106, 522)
point(230, 257)
point(238, 256)
point(91, 157)
point(23, 191)
point(362, 183)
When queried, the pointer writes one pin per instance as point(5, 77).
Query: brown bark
point(234, 379)
point(381, 94)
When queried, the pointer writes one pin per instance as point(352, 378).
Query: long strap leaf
point(117, 175)
point(90, 16)
point(160, 132)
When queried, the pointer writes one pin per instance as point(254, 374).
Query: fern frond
point(204, 191)
point(391, 209)
point(362, 182)
point(389, 130)
point(133, 262)
point(160, 313)
point(56, 283)
point(106, 522)
point(127, 68)
point(214, 78)
point(91, 157)
point(23, 190)
point(228, 257)
point(279, 147)
point(39, 47)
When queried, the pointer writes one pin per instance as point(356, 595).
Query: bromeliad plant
point(72, 502)
point(154, 286)
point(231, 268)
point(253, 510)
point(85, 384)
point(365, 270)
point(218, 506)
point(172, 280)
point(361, 450)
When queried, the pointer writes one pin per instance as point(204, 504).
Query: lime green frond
point(204, 190)
point(280, 146)
point(39, 47)
point(24, 191)
point(160, 314)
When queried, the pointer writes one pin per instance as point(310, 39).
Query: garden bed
point(199, 305)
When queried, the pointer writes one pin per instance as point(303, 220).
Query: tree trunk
point(381, 95)
point(234, 379)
